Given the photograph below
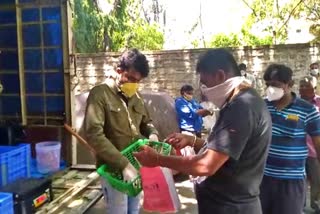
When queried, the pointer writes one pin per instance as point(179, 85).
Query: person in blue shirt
point(283, 184)
point(190, 112)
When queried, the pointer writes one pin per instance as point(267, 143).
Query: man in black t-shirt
point(231, 162)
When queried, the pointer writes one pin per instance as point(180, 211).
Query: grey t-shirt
point(243, 132)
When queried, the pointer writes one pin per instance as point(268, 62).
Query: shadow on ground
point(187, 198)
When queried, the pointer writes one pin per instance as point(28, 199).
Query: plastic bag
point(160, 194)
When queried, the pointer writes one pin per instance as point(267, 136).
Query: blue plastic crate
point(15, 163)
point(6, 203)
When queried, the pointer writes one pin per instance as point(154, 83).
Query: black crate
point(29, 194)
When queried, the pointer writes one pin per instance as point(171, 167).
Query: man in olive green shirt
point(115, 117)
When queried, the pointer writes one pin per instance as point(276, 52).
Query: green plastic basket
point(115, 179)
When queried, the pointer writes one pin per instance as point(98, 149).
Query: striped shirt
point(288, 150)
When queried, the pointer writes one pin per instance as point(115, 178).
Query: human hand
point(147, 156)
point(129, 173)
point(153, 138)
point(179, 141)
point(211, 110)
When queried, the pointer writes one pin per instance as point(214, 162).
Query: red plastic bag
point(160, 194)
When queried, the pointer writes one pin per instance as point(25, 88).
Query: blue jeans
point(118, 202)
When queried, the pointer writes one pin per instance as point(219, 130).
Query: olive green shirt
point(112, 122)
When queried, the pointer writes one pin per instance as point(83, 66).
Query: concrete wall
point(171, 69)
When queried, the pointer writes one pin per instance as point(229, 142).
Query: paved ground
point(186, 195)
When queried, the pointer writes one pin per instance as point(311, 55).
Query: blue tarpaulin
point(42, 57)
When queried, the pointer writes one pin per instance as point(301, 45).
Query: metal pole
point(21, 66)
point(66, 24)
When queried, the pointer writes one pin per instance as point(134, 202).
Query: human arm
point(227, 140)
point(204, 112)
point(313, 129)
point(316, 142)
point(205, 164)
point(180, 141)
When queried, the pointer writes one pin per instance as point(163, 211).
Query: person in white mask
point(231, 161)
point(283, 184)
point(189, 112)
point(250, 77)
point(314, 69)
point(314, 73)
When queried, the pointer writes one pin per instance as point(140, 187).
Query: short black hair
point(186, 88)
point(243, 67)
point(279, 72)
point(215, 59)
point(134, 59)
point(315, 63)
point(306, 80)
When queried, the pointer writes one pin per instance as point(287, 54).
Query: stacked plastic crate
point(15, 163)
point(6, 203)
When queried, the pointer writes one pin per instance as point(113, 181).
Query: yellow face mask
point(129, 89)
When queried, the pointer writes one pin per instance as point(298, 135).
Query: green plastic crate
point(134, 187)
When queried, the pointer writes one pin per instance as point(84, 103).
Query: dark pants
point(282, 196)
point(313, 173)
point(210, 203)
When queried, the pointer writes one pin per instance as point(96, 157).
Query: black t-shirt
point(243, 132)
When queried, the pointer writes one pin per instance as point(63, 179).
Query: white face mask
point(274, 93)
point(218, 94)
point(314, 72)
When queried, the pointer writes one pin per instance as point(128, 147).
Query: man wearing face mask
point(189, 115)
point(307, 92)
point(251, 78)
point(190, 112)
point(314, 73)
point(283, 185)
point(115, 117)
point(231, 161)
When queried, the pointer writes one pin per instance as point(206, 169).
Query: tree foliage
point(121, 28)
point(315, 30)
point(145, 37)
point(235, 40)
point(311, 9)
point(223, 40)
point(249, 39)
point(273, 16)
point(87, 27)
point(269, 22)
